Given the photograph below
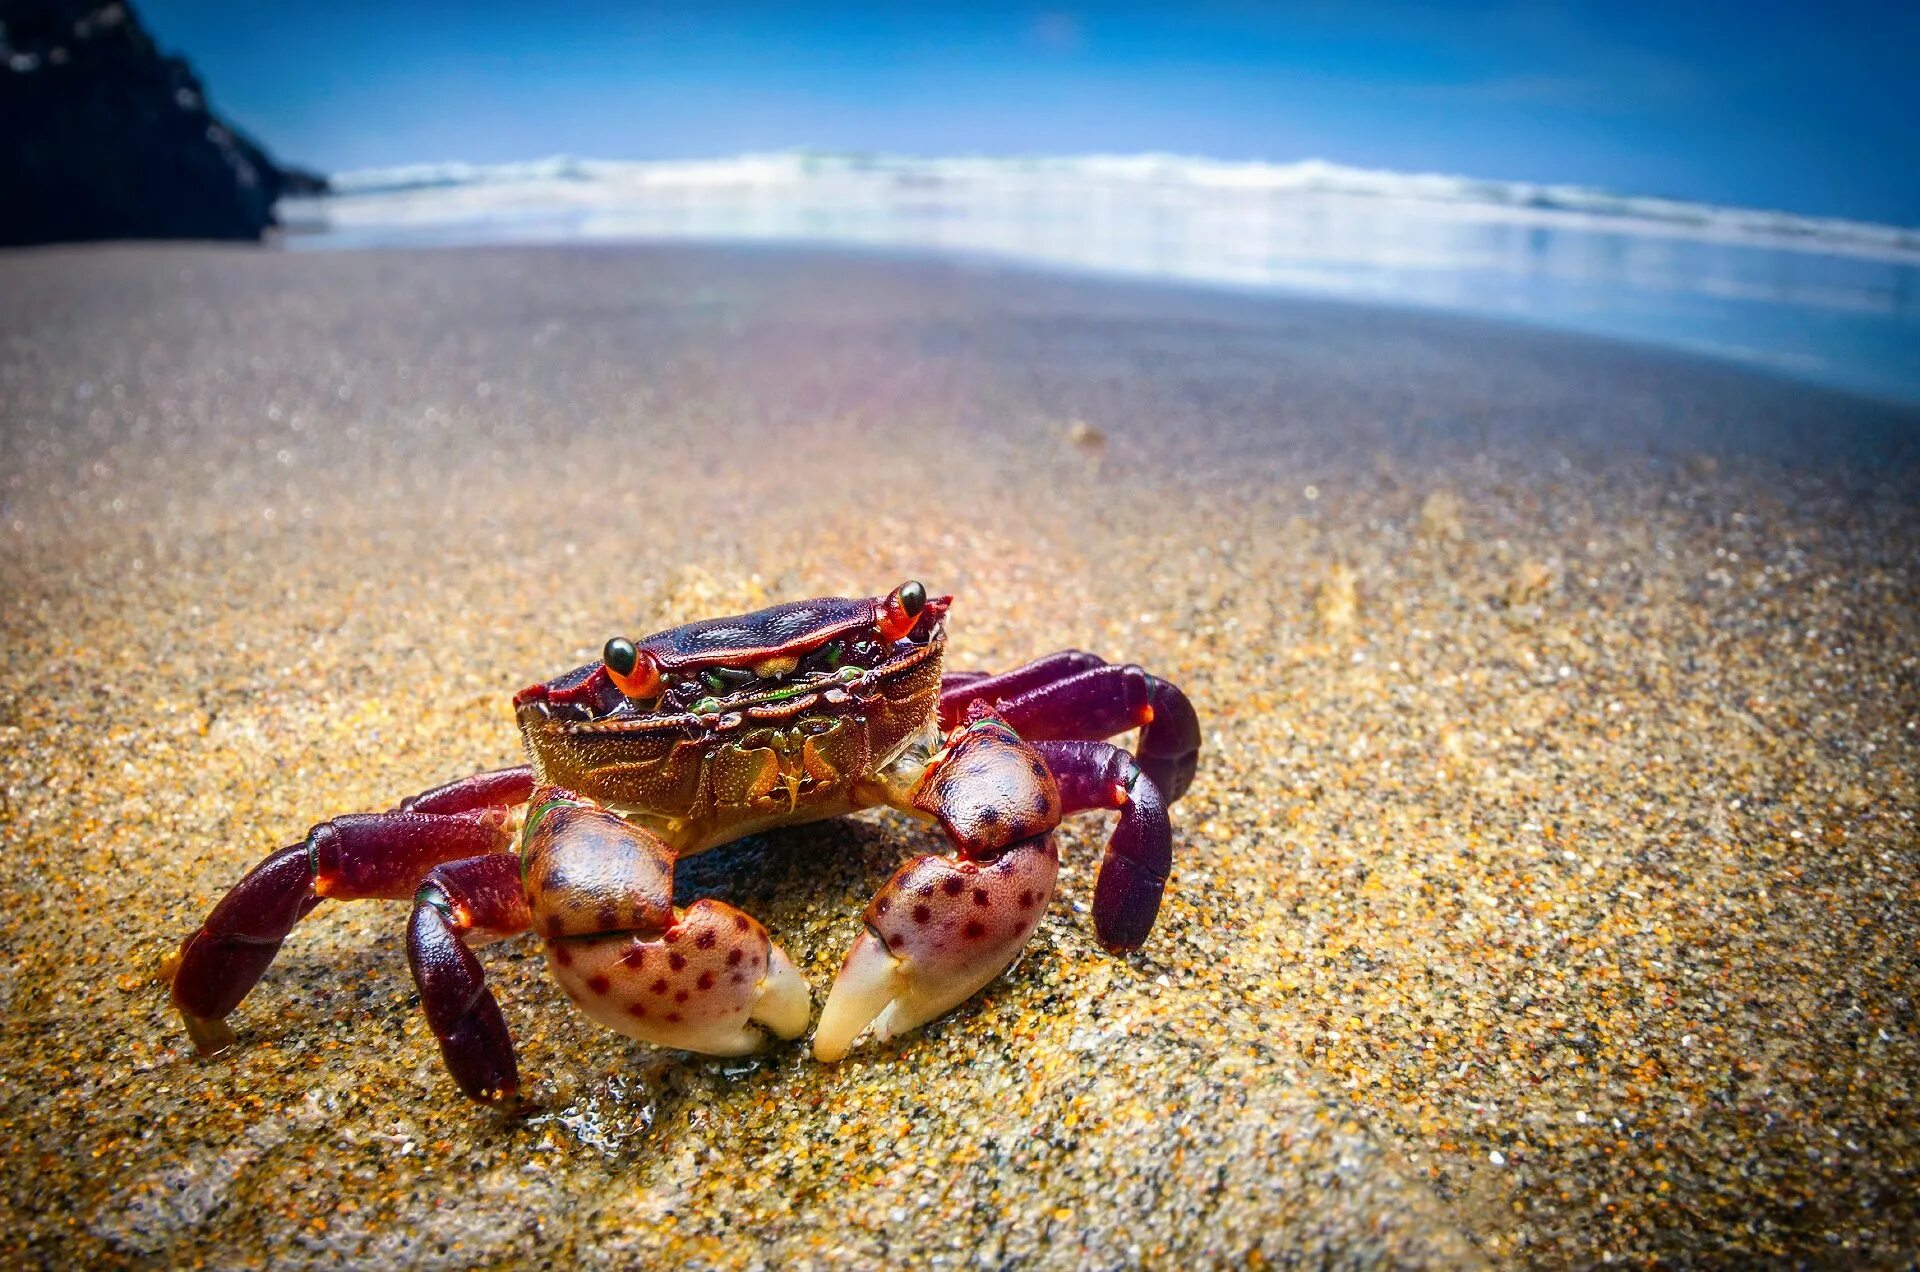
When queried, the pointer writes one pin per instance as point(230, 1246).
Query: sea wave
point(1827, 299)
point(466, 190)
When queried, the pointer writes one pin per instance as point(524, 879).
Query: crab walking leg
point(707, 978)
point(943, 927)
point(1074, 696)
point(461, 905)
point(960, 688)
point(1139, 855)
point(497, 789)
point(358, 856)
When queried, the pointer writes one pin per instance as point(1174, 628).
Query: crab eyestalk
point(901, 610)
point(632, 670)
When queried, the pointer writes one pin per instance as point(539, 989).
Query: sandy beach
point(1546, 896)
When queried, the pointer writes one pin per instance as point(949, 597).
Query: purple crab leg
point(1133, 872)
point(959, 688)
point(1061, 697)
point(459, 905)
point(497, 789)
point(358, 856)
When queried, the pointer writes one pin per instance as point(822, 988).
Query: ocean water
point(1836, 302)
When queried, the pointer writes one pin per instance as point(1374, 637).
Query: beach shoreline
point(1828, 302)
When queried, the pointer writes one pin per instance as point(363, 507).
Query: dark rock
point(103, 136)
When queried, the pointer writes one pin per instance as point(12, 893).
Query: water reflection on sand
point(1830, 301)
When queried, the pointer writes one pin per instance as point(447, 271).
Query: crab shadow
point(803, 874)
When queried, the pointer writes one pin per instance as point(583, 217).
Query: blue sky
point(1808, 108)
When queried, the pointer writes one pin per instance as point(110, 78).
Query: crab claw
point(714, 982)
point(938, 932)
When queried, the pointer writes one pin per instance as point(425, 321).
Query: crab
point(697, 736)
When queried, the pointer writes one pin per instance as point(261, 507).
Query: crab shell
point(699, 780)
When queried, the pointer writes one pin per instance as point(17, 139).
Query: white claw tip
point(786, 1000)
point(866, 984)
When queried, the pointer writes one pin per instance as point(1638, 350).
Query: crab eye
point(901, 608)
point(620, 656)
point(632, 671)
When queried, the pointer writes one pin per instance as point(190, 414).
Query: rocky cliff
point(104, 136)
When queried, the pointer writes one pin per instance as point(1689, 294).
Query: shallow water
point(1829, 301)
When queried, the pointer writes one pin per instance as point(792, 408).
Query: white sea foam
point(461, 193)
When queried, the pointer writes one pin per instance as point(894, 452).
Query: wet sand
point(1546, 895)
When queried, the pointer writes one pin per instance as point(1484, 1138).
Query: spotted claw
point(936, 934)
point(714, 982)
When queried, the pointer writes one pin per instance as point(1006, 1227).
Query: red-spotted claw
point(937, 933)
point(713, 982)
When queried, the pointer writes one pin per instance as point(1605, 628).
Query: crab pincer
point(943, 927)
point(707, 978)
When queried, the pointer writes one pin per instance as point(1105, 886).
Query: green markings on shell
point(845, 676)
point(721, 679)
point(434, 895)
point(724, 684)
point(534, 819)
point(1000, 727)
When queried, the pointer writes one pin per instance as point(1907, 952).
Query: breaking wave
point(464, 190)
point(1814, 297)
